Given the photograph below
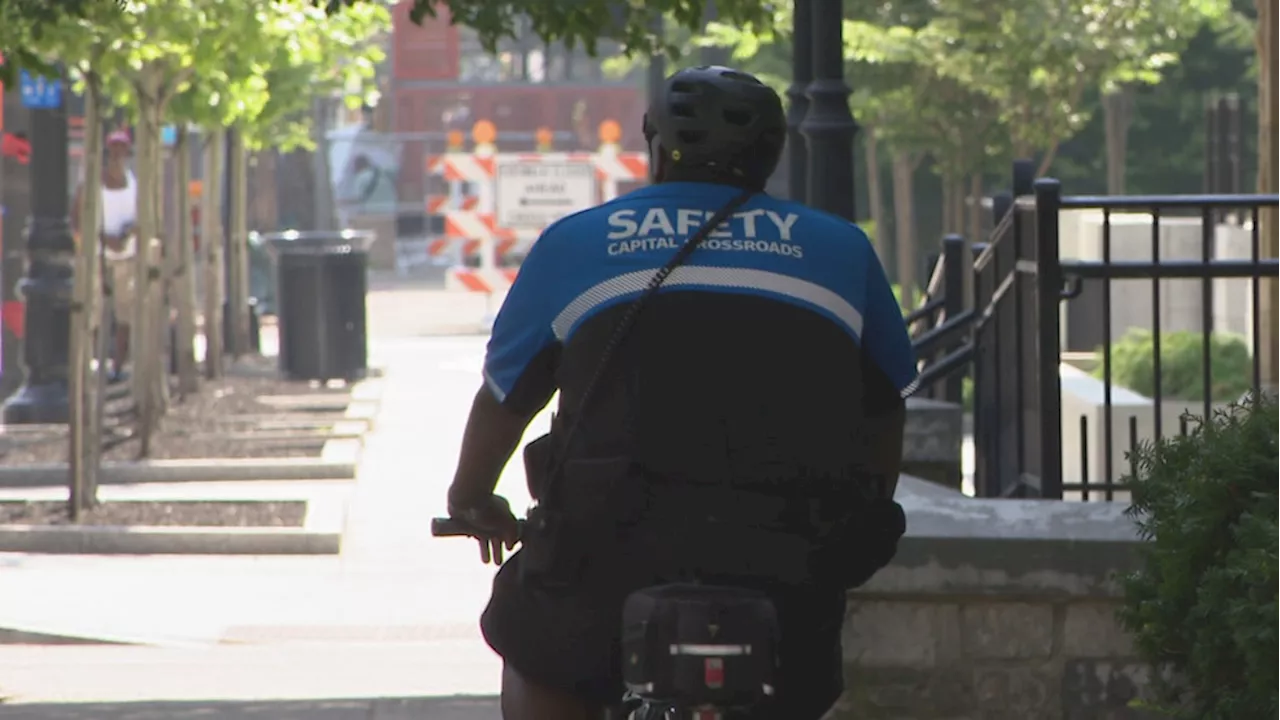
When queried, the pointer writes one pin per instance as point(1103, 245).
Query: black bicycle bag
point(693, 645)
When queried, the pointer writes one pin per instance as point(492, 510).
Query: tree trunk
point(1117, 112)
point(875, 195)
point(85, 432)
point(159, 292)
point(1268, 75)
point(238, 250)
point(905, 224)
point(146, 137)
point(150, 380)
point(958, 194)
point(975, 208)
point(211, 246)
point(184, 265)
point(948, 204)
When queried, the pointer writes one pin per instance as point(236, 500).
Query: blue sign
point(41, 93)
point(168, 135)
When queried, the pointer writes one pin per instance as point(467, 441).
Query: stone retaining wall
point(995, 610)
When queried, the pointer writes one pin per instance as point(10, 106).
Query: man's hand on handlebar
point(492, 518)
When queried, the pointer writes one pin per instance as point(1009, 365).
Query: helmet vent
point(742, 118)
point(740, 77)
point(691, 137)
point(683, 110)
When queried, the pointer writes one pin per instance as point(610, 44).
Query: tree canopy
point(26, 24)
point(585, 22)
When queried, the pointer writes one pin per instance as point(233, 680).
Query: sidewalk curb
point(337, 460)
point(320, 534)
point(195, 470)
point(16, 636)
point(358, 419)
point(109, 540)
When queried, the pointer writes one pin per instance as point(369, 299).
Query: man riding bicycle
point(747, 432)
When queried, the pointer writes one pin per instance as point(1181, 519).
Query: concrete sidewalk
point(394, 616)
point(454, 708)
point(298, 671)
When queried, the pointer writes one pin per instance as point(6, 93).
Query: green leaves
point(308, 53)
point(29, 29)
point(1204, 604)
point(583, 22)
point(1181, 365)
point(254, 63)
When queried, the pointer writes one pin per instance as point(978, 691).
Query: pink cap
point(119, 136)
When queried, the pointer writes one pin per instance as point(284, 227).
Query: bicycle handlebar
point(457, 527)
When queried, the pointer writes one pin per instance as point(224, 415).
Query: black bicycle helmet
point(717, 119)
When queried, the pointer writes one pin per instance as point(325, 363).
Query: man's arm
point(519, 379)
point(489, 440)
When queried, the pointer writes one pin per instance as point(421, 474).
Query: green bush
point(1203, 607)
point(1181, 365)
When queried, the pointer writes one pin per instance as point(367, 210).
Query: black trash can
point(321, 283)
point(255, 325)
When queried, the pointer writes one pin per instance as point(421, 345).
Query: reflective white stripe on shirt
point(746, 279)
point(910, 388)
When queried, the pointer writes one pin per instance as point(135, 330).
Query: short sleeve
point(521, 359)
point(884, 332)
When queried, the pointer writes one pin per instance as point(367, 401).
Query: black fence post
point(1049, 287)
point(996, 404)
point(953, 304)
point(982, 427)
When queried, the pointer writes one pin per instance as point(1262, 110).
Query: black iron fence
point(1011, 336)
point(937, 325)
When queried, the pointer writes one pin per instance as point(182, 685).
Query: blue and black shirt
point(764, 356)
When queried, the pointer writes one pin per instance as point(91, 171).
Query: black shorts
point(569, 639)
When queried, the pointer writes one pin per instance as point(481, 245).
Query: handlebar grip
point(452, 527)
point(456, 527)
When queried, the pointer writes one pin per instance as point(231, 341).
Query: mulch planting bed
point(160, 514)
point(198, 426)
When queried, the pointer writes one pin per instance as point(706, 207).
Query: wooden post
point(1268, 76)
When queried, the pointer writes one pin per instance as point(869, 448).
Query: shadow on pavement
point(450, 708)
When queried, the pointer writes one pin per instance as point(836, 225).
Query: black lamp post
point(828, 127)
point(48, 282)
point(713, 55)
point(657, 61)
point(801, 76)
point(15, 205)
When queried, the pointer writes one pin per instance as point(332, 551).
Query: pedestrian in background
point(119, 210)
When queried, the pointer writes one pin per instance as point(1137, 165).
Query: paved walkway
point(460, 708)
point(393, 616)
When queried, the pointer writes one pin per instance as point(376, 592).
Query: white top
point(119, 210)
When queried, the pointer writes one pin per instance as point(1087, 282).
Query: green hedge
point(1203, 607)
point(1181, 365)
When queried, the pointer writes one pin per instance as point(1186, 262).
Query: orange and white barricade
point(515, 196)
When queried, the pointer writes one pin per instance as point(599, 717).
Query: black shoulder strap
point(629, 319)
